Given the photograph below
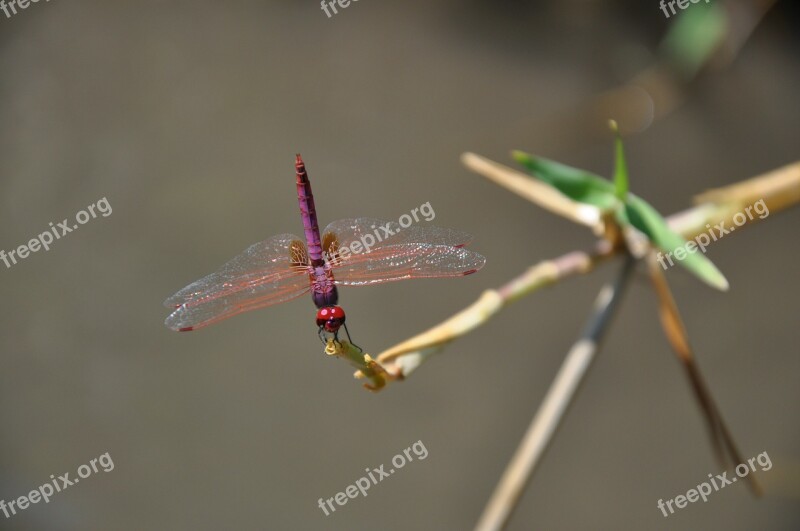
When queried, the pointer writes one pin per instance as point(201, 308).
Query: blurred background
point(186, 116)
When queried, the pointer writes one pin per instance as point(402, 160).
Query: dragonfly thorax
point(331, 318)
point(325, 295)
point(323, 289)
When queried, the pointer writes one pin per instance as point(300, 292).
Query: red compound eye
point(336, 312)
point(331, 317)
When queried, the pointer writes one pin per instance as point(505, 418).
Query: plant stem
point(725, 449)
point(548, 418)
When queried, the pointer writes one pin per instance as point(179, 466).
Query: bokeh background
point(187, 116)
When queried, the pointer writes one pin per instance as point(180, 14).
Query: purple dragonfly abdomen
point(309, 213)
point(323, 290)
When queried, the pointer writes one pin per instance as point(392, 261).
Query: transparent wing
point(378, 233)
point(197, 314)
point(272, 271)
point(409, 260)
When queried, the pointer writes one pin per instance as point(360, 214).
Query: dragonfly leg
point(351, 339)
point(324, 338)
point(321, 334)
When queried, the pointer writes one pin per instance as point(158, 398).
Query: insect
point(350, 252)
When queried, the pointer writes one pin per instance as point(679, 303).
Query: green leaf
point(647, 219)
point(578, 185)
point(620, 166)
point(586, 187)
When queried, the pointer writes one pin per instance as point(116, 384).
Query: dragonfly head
point(330, 318)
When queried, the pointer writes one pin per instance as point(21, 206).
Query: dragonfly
point(350, 252)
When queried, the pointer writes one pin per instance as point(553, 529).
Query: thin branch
point(404, 357)
point(535, 191)
point(779, 189)
point(552, 410)
point(725, 449)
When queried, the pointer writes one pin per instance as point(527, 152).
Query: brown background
point(187, 115)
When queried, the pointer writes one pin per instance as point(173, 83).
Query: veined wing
point(272, 271)
point(377, 233)
point(261, 262)
point(408, 260)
